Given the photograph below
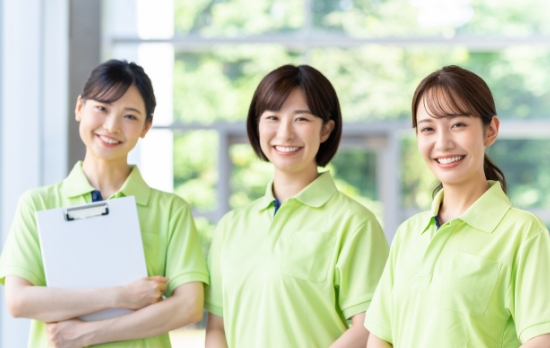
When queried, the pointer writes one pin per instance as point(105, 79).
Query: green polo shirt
point(480, 280)
point(293, 278)
point(170, 241)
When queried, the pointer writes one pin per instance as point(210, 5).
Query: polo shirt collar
point(77, 184)
point(316, 194)
point(485, 214)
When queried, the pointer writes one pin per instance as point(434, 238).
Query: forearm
point(156, 319)
point(215, 339)
point(542, 341)
point(375, 342)
point(51, 304)
point(215, 332)
point(354, 337)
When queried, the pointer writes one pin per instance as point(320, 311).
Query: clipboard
point(94, 245)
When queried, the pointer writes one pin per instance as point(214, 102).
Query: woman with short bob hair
point(291, 268)
point(473, 271)
point(114, 110)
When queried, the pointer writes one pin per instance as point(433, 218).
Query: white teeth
point(109, 140)
point(286, 149)
point(449, 159)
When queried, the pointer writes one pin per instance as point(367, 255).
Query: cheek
point(265, 133)
point(423, 148)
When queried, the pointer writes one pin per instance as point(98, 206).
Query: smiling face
point(111, 130)
point(453, 147)
point(290, 137)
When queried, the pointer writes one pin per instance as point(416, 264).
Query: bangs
point(108, 93)
point(442, 101)
point(273, 95)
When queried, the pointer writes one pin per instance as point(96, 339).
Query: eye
point(459, 124)
point(426, 129)
point(131, 117)
point(101, 108)
point(302, 119)
point(271, 117)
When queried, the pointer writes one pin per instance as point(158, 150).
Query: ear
point(78, 109)
point(491, 131)
point(326, 130)
point(146, 127)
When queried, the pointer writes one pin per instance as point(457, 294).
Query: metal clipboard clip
point(88, 211)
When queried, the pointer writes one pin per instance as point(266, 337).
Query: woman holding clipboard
point(114, 111)
point(473, 271)
point(291, 268)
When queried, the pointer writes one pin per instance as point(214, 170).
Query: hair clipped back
point(110, 80)
point(320, 96)
point(454, 91)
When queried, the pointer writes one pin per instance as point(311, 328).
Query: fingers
point(160, 279)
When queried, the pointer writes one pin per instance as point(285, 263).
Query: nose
point(112, 124)
point(444, 140)
point(286, 129)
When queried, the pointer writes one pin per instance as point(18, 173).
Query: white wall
point(33, 114)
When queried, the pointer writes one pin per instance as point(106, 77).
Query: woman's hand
point(66, 334)
point(142, 292)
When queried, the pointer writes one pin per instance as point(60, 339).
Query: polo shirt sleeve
point(529, 293)
point(359, 267)
point(21, 255)
point(378, 319)
point(184, 258)
point(213, 299)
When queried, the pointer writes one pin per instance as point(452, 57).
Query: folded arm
point(182, 308)
point(52, 304)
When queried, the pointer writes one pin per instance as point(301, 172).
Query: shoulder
point(41, 198)
point(240, 214)
point(413, 226)
point(521, 223)
point(345, 207)
point(167, 202)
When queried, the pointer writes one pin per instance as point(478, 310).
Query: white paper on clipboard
point(96, 245)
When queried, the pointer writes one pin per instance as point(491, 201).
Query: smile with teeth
point(109, 140)
point(449, 160)
point(287, 148)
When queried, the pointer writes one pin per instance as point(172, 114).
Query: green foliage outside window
point(374, 82)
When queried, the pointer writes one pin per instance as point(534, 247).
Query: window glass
point(431, 18)
point(237, 17)
point(217, 85)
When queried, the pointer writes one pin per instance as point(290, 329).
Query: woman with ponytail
point(473, 271)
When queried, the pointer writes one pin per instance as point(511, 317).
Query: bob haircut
point(454, 91)
point(110, 80)
point(320, 96)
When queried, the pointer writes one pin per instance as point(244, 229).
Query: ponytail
point(492, 172)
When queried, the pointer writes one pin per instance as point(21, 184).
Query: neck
point(286, 185)
point(458, 198)
point(105, 176)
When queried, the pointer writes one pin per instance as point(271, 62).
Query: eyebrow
point(133, 109)
point(432, 118)
point(425, 120)
point(303, 112)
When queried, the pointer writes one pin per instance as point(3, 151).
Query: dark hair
point(454, 91)
point(320, 96)
point(110, 80)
